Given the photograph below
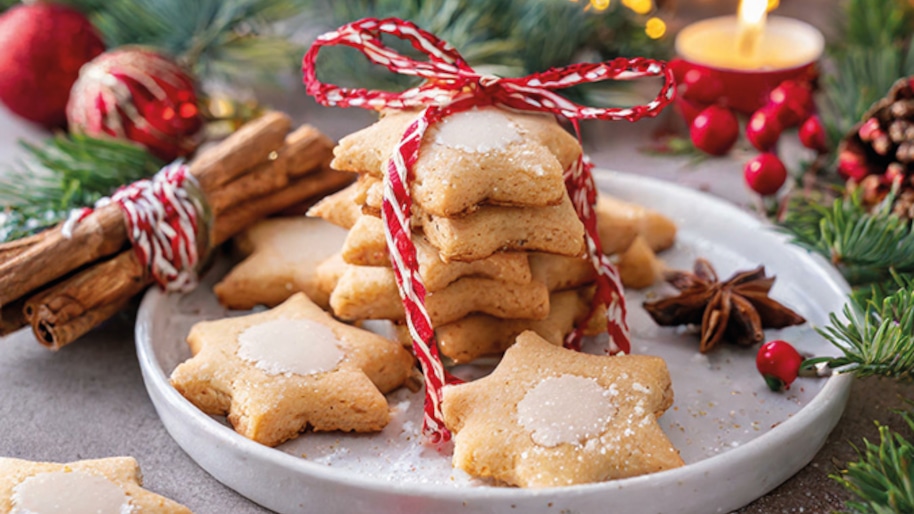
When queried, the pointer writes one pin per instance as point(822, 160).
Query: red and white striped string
point(452, 86)
point(162, 218)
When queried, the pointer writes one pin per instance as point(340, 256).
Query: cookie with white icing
point(282, 254)
point(102, 485)
point(481, 156)
point(278, 372)
point(548, 416)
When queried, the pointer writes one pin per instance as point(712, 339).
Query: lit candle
point(750, 54)
point(751, 16)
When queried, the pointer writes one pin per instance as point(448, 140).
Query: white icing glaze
point(74, 492)
point(566, 409)
point(477, 130)
point(299, 346)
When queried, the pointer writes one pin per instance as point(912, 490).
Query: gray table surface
point(89, 401)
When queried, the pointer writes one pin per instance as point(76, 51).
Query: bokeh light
point(655, 28)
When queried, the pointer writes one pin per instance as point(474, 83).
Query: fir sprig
point(235, 40)
point(863, 245)
point(883, 476)
point(66, 172)
point(876, 332)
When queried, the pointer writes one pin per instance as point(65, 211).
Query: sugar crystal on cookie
point(477, 130)
point(566, 409)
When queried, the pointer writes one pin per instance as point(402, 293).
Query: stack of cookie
point(499, 245)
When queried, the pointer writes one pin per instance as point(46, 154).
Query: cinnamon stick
point(72, 307)
point(263, 179)
point(10, 249)
point(56, 336)
point(245, 148)
point(11, 318)
point(98, 285)
point(307, 149)
point(102, 233)
point(244, 215)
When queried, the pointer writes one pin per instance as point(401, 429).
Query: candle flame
point(752, 12)
point(752, 15)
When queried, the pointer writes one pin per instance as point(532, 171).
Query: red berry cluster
point(714, 128)
point(789, 105)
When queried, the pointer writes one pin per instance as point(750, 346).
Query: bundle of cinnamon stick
point(65, 286)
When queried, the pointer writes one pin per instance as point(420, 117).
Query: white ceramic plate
point(739, 440)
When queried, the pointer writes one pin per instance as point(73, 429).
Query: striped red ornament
point(452, 86)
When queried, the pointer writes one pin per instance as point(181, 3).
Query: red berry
point(701, 86)
point(764, 129)
point(714, 130)
point(792, 101)
point(779, 363)
point(765, 174)
point(812, 135)
point(869, 130)
point(852, 165)
point(679, 67)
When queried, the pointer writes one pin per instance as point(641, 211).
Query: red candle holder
point(711, 71)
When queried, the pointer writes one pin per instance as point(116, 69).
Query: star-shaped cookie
point(278, 372)
point(480, 156)
point(280, 251)
point(548, 416)
point(102, 485)
point(478, 335)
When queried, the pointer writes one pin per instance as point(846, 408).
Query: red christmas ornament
point(779, 363)
point(812, 135)
point(44, 45)
point(714, 130)
point(138, 95)
point(765, 174)
point(764, 129)
point(792, 101)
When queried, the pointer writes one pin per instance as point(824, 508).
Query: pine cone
point(880, 149)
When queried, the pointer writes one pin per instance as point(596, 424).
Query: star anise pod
point(737, 309)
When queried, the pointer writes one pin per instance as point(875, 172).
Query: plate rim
point(836, 388)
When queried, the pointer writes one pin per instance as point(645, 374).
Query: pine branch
point(65, 173)
point(883, 476)
point(877, 23)
point(235, 40)
point(863, 245)
point(876, 331)
point(863, 76)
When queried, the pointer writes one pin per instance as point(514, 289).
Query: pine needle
point(876, 331)
point(233, 40)
point(66, 172)
point(883, 476)
point(863, 245)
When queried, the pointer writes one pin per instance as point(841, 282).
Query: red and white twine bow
point(162, 219)
point(452, 86)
